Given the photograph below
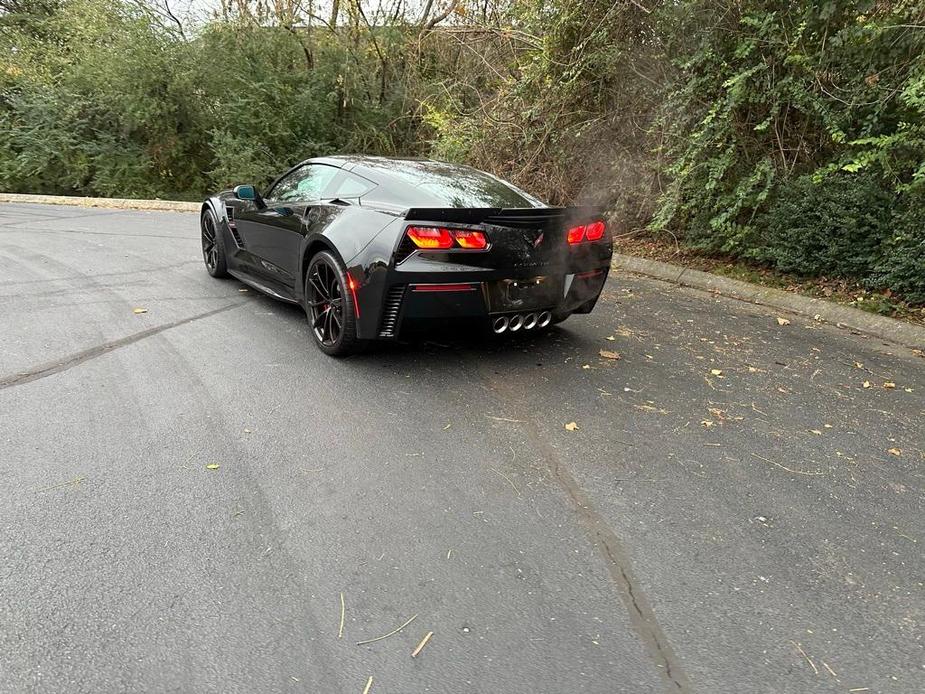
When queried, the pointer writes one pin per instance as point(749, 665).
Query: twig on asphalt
point(831, 671)
point(784, 467)
point(369, 685)
point(75, 482)
point(513, 486)
point(385, 636)
point(414, 653)
point(808, 659)
point(505, 419)
point(343, 609)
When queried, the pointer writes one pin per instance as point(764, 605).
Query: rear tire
point(329, 306)
point(213, 245)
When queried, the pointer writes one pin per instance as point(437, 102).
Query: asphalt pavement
point(737, 508)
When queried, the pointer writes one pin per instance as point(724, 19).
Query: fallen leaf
point(782, 321)
point(858, 365)
point(212, 466)
point(586, 366)
point(816, 432)
point(716, 372)
point(610, 338)
point(706, 423)
point(908, 390)
point(889, 384)
point(607, 354)
point(571, 426)
point(136, 311)
point(752, 369)
point(895, 451)
point(867, 384)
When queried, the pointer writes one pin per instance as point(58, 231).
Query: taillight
point(595, 231)
point(576, 234)
point(440, 238)
point(470, 239)
point(586, 232)
point(430, 237)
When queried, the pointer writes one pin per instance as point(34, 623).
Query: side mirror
point(245, 193)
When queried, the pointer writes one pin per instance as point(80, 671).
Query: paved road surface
point(728, 517)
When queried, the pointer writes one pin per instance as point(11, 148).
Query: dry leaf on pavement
point(895, 451)
point(782, 321)
point(571, 426)
point(889, 384)
point(212, 466)
point(716, 372)
point(607, 354)
point(136, 311)
point(867, 384)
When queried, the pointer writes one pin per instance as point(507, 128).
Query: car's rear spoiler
point(510, 217)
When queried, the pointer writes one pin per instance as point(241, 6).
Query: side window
point(350, 185)
point(305, 183)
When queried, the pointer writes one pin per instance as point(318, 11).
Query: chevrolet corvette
point(374, 248)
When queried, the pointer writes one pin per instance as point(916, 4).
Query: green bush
point(833, 227)
point(901, 267)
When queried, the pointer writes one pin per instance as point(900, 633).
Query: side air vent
point(390, 311)
point(232, 227)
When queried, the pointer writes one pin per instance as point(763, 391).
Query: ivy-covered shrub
point(834, 227)
point(901, 266)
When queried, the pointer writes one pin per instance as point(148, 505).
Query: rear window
point(449, 185)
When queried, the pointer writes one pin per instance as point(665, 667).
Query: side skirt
point(261, 287)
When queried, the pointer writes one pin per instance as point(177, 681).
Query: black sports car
point(374, 247)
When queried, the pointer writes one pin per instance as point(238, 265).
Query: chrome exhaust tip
point(500, 325)
point(516, 323)
point(545, 318)
point(530, 321)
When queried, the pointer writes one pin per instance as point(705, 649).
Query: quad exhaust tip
point(500, 325)
point(514, 323)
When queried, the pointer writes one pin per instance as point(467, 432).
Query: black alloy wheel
point(330, 309)
point(213, 250)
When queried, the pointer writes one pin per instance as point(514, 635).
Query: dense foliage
point(790, 133)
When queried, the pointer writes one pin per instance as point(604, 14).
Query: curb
point(112, 203)
point(885, 328)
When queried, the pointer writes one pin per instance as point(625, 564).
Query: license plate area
point(523, 294)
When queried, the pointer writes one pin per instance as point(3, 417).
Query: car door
point(273, 233)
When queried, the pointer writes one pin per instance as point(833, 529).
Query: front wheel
point(329, 306)
point(213, 248)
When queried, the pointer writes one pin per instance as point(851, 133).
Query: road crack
point(69, 362)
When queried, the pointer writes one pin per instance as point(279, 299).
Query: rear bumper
point(412, 303)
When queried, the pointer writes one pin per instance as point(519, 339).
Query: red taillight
point(576, 234)
point(470, 239)
point(430, 237)
point(595, 231)
point(586, 232)
point(440, 238)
